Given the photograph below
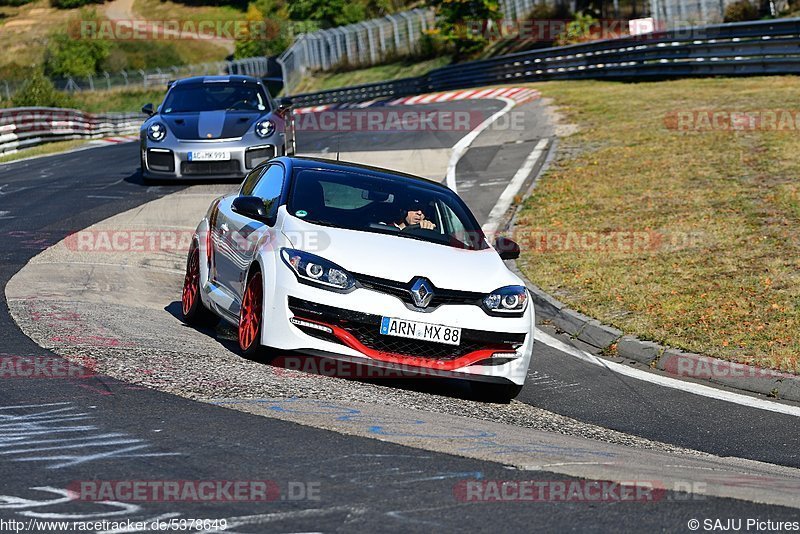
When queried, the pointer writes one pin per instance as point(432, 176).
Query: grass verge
point(322, 81)
point(716, 213)
point(42, 150)
point(117, 99)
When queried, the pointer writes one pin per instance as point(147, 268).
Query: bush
point(65, 56)
point(273, 40)
point(72, 4)
point(38, 90)
point(740, 11)
point(135, 55)
point(14, 3)
point(454, 23)
point(578, 31)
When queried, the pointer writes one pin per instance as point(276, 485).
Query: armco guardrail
point(27, 127)
point(747, 48)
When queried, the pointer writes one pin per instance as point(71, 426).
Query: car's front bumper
point(171, 161)
point(493, 349)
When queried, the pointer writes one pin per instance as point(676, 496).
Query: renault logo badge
point(422, 293)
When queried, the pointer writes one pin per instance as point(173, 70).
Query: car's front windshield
point(384, 204)
point(215, 97)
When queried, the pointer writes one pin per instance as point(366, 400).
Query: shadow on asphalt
point(293, 363)
point(137, 179)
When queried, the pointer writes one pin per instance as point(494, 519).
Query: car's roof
point(305, 162)
point(217, 79)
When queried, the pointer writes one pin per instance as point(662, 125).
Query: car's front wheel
point(250, 316)
point(194, 312)
point(493, 392)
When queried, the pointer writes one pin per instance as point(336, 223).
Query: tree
point(267, 32)
point(328, 12)
point(66, 56)
point(38, 90)
point(457, 21)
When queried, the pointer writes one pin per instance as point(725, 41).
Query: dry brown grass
point(24, 31)
point(724, 279)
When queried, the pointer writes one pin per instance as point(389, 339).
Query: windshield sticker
point(301, 213)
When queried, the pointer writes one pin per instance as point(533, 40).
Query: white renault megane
point(361, 264)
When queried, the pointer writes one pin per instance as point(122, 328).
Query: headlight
point(156, 132)
point(317, 271)
point(265, 128)
point(509, 300)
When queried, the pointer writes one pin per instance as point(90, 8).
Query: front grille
point(210, 167)
point(160, 160)
point(366, 328)
point(403, 291)
point(370, 336)
point(254, 156)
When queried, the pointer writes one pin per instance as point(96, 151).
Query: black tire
point(493, 392)
point(194, 312)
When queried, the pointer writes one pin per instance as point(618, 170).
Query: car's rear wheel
point(250, 316)
point(194, 312)
point(493, 392)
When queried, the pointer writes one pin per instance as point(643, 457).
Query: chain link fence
point(372, 41)
point(366, 43)
point(145, 79)
point(363, 44)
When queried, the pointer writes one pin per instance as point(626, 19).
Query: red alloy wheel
point(191, 284)
point(250, 314)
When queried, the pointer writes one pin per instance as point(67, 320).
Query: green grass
point(110, 101)
point(49, 148)
point(722, 209)
point(323, 81)
point(166, 10)
point(118, 99)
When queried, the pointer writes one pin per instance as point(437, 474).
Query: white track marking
point(507, 196)
point(460, 148)
point(665, 381)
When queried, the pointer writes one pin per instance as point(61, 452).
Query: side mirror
point(252, 208)
point(507, 248)
point(284, 105)
point(147, 109)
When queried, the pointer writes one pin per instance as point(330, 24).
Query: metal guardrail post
point(410, 26)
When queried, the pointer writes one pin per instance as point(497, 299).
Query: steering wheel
point(240, 105)
point(411, 227)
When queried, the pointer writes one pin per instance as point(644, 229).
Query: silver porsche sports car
point(212, 127)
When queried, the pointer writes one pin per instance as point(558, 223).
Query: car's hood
point(400, 258)
point(210, 124)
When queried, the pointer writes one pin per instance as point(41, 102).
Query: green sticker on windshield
point(301, 213)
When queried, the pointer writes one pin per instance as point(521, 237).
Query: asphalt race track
point(55, 433)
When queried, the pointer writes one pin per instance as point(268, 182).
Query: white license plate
point(391, 326)
point(209, 155)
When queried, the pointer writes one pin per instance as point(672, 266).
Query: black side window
point(269, 188)
point(250, 181)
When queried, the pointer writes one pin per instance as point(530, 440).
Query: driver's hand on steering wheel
point(427, 225)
